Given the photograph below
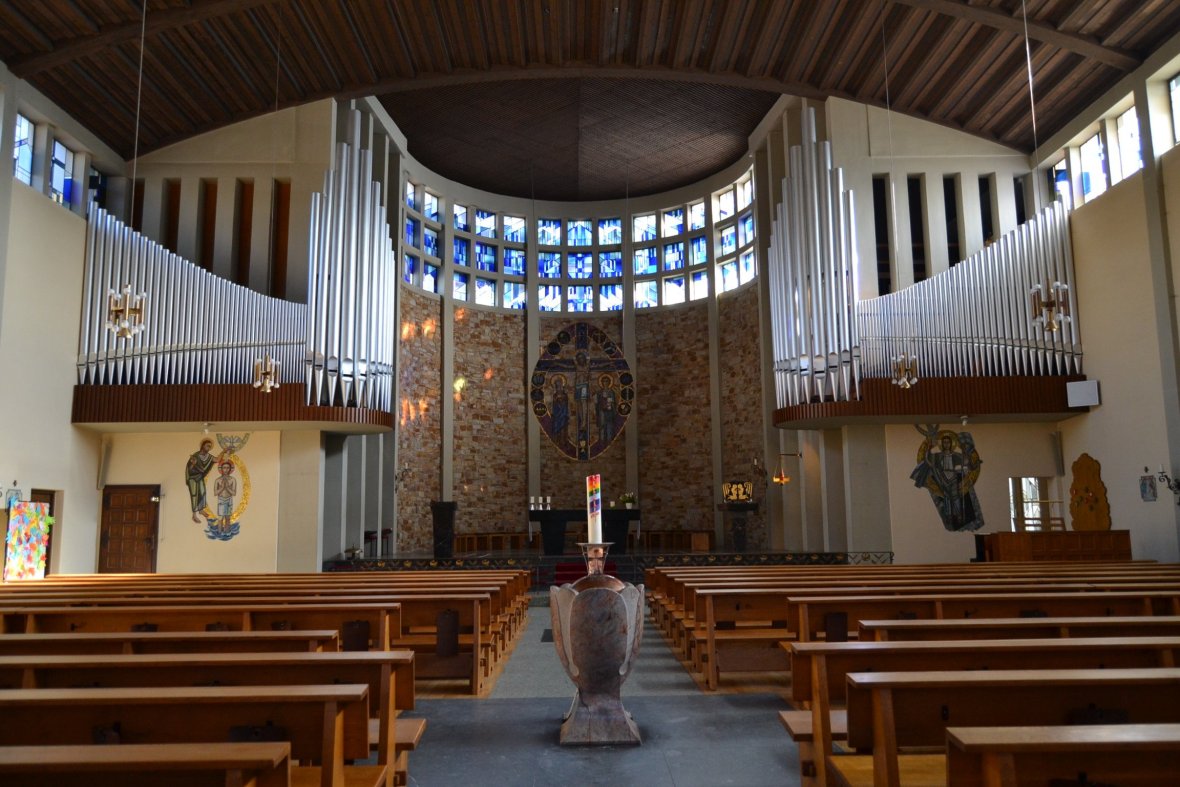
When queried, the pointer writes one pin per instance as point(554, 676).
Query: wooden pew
point(471, 658)
point(1112, 754)
point(1006, 628)
point(819, 671)
point(891, 710)
point(148, 765)
point(389, 676)
point(128, 642)
point(325, 724)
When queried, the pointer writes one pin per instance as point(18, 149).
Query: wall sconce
point(125, 312)
point(1050, 305)
point(905, 370)
point(780, 476)
point(266, 373)
point(1173, 485)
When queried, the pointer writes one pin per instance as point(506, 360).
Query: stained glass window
point(485, 292)
point(485, 256)
point(514, 262)
point(485, 223)
point(673, 222)
point(430, 206)
point(580, 299)
point(22, 150)
point(460, 214)
point(549, 232)
point(673, 256)
point(462, 251)
point(411, 195)
point(610, 264)
point(699, 288)
point(549, 264)
point(745, 193)
point(724, 204)
point(412, 232)
point(729, 276)
point(646, 261)
point(728, 239)
point(696, 216)
point(430, 241)
point(409, 267)
point(549, 298)
point(581, 266)
point(61, 171)
point(746, 229)
point(430, 277)
point(646, 294)
point(610, 297)
point(644, 228)
point(746, 267)
point(580, 232)
point(610, 232)
point(514, 295)
point(674, 289)
point(698, 250)
point(514, 229)
point(460, 288)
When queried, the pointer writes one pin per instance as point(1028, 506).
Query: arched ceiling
point(576, 99)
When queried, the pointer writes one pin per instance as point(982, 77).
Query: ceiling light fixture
point(266, 373)
point(780, 476)
point(905, 370)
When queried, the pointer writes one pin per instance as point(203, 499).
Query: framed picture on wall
point(1147, 488)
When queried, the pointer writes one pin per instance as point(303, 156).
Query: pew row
point(130, 642)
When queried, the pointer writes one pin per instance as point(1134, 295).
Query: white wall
point(1006, 450)
point(159, 458)
point(39, 448)
point(300, 509)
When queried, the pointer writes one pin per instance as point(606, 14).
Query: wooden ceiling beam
point(114, 35)
point(1038, 31)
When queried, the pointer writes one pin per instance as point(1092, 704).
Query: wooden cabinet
point(1058, 545)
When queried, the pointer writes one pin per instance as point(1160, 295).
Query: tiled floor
point(690, 738)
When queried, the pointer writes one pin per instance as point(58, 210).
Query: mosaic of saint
point(224, 523)
point(582, 391)
point(948, 466)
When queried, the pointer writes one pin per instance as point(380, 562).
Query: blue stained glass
point(409, 268)
point(610, 264)
point(514, 262)
point(610, 297)
point(646, 294)
point(549, 232)
point(460, 214)
point(485, 292)
point(674, 290)
point(580, 233)
point(644, 228)
point(412, 232)
point(700, 285)
point(430, 206)
point(746, 267)
point(745, 193)
point(485, 257)
point(581, 265)
point(673, 256)
point(514, 295)
point(698, 250)
point(580, 299)
point(646, 261)
point(460, 288)
point(22, 153)
point(462, 251)
point(485, 223)
point(673, 222)
point(430, 241)
point(724, 204)
point(696, 216)
point(514, 229)
point(61, 168)
point(549, 298)
point(610, 232)
point(729, 276)
point(411, 195)
point(549, 264)
point(746, 230)
point(430, 277)
point(728, 240)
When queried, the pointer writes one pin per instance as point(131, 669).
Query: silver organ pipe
point(811, 265)
point(197, 328)
point(351, 281)
point(974, 319)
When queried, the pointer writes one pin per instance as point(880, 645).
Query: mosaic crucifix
point(582, 391)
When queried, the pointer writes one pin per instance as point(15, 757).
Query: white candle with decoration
point(594, 509)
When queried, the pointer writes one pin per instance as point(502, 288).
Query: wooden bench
point(891, 710)
point(148, 765)
point(468, 656)
point(128, 642)
point(324, 724)
point(819, 671)
point(1112, 754)
point(1002, 628)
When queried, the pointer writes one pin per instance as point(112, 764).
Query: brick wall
point(420, 359)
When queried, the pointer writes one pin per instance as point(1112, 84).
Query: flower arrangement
point(627, 498)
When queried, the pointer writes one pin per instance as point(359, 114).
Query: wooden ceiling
point(575, 99)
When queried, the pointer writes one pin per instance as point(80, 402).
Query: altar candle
point(594, 509)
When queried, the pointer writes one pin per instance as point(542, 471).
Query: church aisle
point(690, 739)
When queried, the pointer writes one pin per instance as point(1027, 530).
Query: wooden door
point(130, 517)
